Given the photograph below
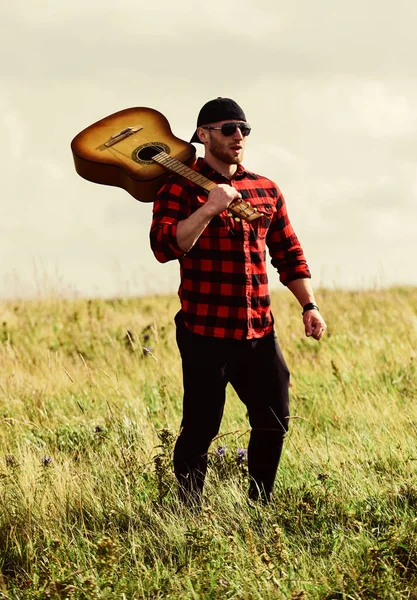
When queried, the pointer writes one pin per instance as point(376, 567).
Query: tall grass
point(90, 405)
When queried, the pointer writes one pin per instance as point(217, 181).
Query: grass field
point(90, 404)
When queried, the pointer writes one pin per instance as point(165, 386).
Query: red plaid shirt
point(224, 284)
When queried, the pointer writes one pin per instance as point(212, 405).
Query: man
point(225, 326)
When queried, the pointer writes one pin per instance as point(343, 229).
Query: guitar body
point(135, 149)
point(118, 151)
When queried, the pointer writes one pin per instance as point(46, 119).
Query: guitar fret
point(178, 167)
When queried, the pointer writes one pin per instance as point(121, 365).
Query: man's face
point(228, 149)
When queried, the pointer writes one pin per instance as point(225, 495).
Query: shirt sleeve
point(286, 253)
point(169, 208)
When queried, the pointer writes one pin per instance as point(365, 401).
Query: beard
point(223, 153)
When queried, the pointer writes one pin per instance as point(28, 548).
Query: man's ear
point(202, 135)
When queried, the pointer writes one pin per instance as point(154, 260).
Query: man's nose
point(238, 134)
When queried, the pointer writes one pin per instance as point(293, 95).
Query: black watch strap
point(309, 306)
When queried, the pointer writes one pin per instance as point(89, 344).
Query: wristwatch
point(309, 306)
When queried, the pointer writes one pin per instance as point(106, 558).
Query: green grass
point(90, 406)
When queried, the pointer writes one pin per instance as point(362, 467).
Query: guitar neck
point(239, 208)
point(172, 164)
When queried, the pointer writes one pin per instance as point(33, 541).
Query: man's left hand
point(314, 324)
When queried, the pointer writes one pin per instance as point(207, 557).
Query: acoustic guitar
point(135, 149)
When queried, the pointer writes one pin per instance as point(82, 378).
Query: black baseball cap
point(219, 109)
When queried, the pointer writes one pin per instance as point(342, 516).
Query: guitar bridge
point(122, 135)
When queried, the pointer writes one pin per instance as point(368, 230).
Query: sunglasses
point(229, 129)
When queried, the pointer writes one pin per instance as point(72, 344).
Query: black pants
point(258, 372)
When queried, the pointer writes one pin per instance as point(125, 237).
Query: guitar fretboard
point(239, 208)
point(175, 165)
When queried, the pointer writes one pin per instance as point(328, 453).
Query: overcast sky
point(329, 87)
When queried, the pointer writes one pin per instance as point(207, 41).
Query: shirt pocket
point(260, 226)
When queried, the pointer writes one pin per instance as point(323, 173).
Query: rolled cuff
point(164, 242)
point(286, 278)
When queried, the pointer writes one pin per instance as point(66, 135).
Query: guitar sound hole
point(144, 154)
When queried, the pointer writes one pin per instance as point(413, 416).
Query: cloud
point(51, 169)
point(15, 132)
point(356, 38)
point(330, 91)
point(377, 108)
point(197, 39)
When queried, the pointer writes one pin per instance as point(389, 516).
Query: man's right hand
point(190, 229)
point(220, 197)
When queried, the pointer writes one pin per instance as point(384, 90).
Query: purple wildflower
point(221, 451)
point(242, 455)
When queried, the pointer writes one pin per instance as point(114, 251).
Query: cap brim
point(195, 139)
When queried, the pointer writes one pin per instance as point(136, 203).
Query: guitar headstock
point(241, 209)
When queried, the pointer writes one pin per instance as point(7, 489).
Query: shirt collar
point(202, 167)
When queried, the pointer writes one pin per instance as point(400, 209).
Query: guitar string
point(155, 146)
